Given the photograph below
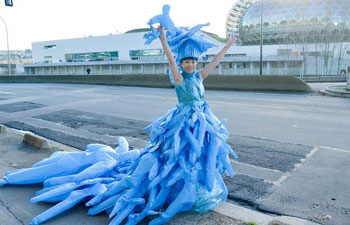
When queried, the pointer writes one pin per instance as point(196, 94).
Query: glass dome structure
point(290, 21)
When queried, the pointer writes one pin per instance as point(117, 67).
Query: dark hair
point(194, 58)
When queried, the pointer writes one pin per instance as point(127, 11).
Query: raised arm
point(207, 70)
point(175, 73)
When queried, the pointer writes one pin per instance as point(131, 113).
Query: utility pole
point(261, 33)
point(8, 49)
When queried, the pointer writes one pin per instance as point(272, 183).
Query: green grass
point(251, 223)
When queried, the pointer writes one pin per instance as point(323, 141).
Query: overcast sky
point(42, 20)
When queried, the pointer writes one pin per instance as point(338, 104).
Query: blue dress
point(192, 147)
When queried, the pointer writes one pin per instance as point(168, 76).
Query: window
point(92, 56)
point(321, 53)
point(235, 55)
point(146, 54)
point(241, 65)
point(281, 52)
point(49, 46)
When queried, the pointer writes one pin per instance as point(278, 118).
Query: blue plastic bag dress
point(179, 170)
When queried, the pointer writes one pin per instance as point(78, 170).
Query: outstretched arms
point(207, 70)
point(175, 73)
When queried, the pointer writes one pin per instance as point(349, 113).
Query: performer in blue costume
point(179, 169)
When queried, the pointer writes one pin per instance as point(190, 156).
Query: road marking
point(335, 149)
point(256, 171)
point(7, 93)
point(296, 166)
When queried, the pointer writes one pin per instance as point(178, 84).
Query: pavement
point(293, 148)
point(18, 151)
point(318, 86)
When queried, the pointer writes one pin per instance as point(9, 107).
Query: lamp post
point(8, 49)
point(261, 33)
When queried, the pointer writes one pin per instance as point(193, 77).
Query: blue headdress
point(183, 41)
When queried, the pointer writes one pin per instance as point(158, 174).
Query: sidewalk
point(317, 86)
point(15, 208)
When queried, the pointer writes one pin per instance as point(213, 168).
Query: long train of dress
point(177, 171)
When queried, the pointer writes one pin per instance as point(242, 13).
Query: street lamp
point(8, 49)
point(261, 33)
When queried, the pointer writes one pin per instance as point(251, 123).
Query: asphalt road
point(280, 137)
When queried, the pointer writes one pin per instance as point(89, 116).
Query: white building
point(120, 47)
point(127, 54)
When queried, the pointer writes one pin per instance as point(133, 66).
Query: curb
point(224, 208)
point(333, 93)
point(248, 215)
point(243, 214)
point(38, 141)
point(35, 141)
point(3, 129)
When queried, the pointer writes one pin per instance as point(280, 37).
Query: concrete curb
point(214, 82)
point(248, 215)
point(333, 92)
point(224, 208)
point(243, 214)
point(35, 141)
point(3, 129)
point(40, 142)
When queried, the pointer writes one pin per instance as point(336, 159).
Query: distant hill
point(138, 30)
point(215, 36)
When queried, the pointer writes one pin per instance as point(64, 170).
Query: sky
point(43, 20)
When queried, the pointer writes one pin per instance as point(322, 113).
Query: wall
point(215, 82)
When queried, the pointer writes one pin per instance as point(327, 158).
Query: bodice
point(191, 89)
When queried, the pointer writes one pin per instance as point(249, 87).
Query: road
point(281, 138)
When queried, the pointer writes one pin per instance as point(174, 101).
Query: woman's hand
point(162, 33)
point(230, 40)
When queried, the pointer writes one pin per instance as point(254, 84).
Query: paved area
point(15, 208)
point(275, 135)
point(327, 168)
point(317, 86)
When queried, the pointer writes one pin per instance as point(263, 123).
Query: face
point(189, 65)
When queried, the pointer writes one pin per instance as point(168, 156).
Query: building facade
point(316, 30)
point(127, 54)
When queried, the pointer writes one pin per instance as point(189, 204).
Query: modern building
point(110, 54)
point(317, 31)
point(300, 38)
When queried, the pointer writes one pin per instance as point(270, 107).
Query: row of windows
point(147, 54)
point(289, 36)
point(49, 46)
point(92, 56)
point(322, 53)
point(289, 52)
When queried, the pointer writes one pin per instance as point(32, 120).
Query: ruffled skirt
point(189, 143)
